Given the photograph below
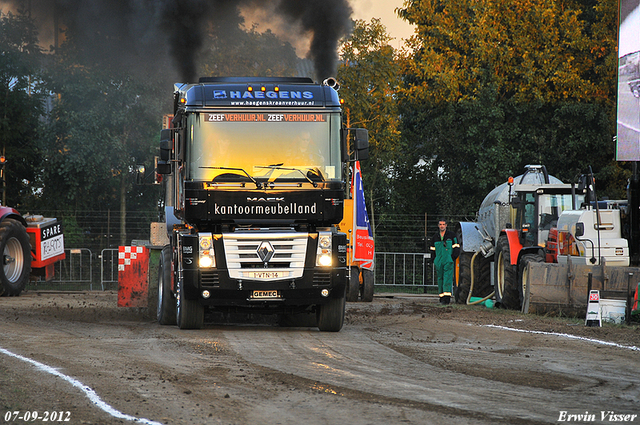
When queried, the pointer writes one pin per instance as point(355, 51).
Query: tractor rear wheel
point(16, 257)
point(506, 283)
point(481, 277)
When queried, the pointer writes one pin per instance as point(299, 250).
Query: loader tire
point(16, 258)
point(353, 289)
point(166, 313)
point(523, 270)
point(482, 277)
point(367, 285)
point(506, 281)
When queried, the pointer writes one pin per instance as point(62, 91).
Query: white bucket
point(612, 311)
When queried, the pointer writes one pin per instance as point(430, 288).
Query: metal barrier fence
point(75, 272)
point(404, 270)
point(394, 270)
point(109, 268)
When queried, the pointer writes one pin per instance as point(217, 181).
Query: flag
point(363, 247)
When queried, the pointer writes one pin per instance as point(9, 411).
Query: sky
point(385, 10)
point(362, 9)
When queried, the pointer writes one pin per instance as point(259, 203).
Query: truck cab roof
point(256, 92)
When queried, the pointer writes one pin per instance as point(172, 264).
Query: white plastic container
point(613, 311)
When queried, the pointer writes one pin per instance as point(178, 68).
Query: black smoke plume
point(143, 34)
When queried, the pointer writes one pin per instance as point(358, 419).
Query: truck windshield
point(230, 146)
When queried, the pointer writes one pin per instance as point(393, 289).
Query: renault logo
point(265, 251)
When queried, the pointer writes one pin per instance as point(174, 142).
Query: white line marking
point(597, 341)
point(90, 393)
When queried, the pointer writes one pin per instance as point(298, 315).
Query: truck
point(360, 243)
point(30, 247)
point(254, 175)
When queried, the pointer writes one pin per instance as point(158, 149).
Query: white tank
point(534, 175)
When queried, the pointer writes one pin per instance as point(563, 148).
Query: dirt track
point(397, 360)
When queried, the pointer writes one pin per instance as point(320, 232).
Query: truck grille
point(287, 249)
point(321, 278)
point(209, 278)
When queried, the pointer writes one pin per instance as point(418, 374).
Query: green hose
point(477, 300)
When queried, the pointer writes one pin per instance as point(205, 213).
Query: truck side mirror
point(165, 144)
point(361, 144)
point(579, 229)
point(164, 163)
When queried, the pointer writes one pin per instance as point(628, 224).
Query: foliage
point(21, 101)
point(497, 84)
point(102, 125)
point(369, 78)
point(483, 88)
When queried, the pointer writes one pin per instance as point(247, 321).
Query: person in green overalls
point(444, 249)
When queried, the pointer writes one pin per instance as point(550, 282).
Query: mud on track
point(397, 360)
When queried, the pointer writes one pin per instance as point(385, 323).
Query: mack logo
point(265, 199)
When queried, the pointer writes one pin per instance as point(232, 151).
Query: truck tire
point(481, 275)
point(298, 320)
point(523, 270)
point(190, 313)
point(331, 315)
point(354, 284)
point(506, 282)
point(367, 285)
point(166, 312)
point(16, 258)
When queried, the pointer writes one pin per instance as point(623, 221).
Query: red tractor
point(29, 245)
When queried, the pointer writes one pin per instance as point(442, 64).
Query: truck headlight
point(324, 253)
point(207, 256)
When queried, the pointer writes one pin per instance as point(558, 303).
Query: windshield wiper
point(257, 183)
point(278, 167)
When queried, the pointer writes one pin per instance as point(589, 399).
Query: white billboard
point(628, 133)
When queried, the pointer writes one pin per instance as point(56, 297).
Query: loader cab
point(536, 211)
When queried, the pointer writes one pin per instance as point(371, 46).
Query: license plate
point(264, 275)
point(261, 295)
point(52, 247)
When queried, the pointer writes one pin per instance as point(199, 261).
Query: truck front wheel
point(166, 312)
point(331, 315)
point(190, 313)
point(353, 289)
point(367, 285)
point(16, 257)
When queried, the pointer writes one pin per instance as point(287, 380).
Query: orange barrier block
point(133, 276)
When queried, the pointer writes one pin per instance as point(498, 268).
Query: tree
point(103, 123)
point(369, 78)
point(496, 84)
point(21, 105)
